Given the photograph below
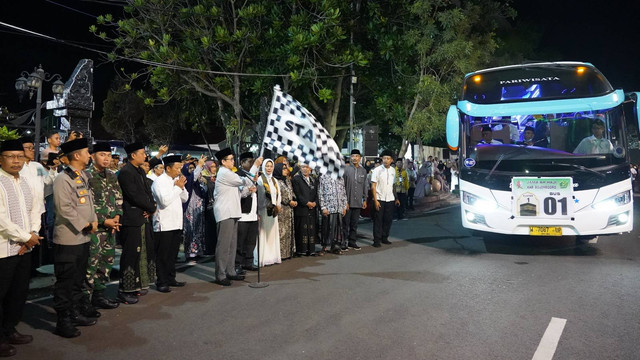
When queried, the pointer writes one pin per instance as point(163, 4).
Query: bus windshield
point(546, 142)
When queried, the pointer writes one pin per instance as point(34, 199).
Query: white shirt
point(253, 214)
point(593, 145)
point(10, 230)
point(152, 176)
point(169, 198)
point(384, 179)
point(36, 175)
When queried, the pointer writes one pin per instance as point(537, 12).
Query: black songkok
point(11, 145)
point(386, 153)
point(171, 159)
point(355, 152)
point(73, 145)
point(224, 153)
point(131, 148)
point(101, 147)
point(246, 155)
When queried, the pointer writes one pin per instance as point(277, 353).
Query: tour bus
point(544, 150)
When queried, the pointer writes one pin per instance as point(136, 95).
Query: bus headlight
point(613, 202)
point(478, 202)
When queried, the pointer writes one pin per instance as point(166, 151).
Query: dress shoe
point(355, 247)
point(64, 326)
point(376, 244)
point(87, 310)
point(18, 339)
point(175, 283)
point(104, 303)
point(7, 350)
point(240, 271)
point(235, 277)
point(77, 319)
point(223, 282)
point(386, 242)
point(127, 298)
point(253, 267)
point(163, 288)
point(142, 292)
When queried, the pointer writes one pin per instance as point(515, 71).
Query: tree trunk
point(403, 148)
point(340, 137)
point(333, 108)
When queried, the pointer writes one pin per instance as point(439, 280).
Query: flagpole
point(276, 89)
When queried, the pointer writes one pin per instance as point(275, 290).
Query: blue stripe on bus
point(543, 106)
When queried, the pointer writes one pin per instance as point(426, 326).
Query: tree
point(123, 113)
point(427, 47)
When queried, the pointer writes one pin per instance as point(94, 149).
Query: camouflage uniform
point(108, 203)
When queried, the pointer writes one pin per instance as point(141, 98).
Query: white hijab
point(271, 180)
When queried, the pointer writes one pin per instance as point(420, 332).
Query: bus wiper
point(496, 165)
point(579, 167)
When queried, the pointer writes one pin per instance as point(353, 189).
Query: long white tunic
point(169, 198)
point(269, 235)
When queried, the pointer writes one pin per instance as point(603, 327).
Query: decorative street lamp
point(33, 83)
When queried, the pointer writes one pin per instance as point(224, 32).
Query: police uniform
point(74, 214)
point(108, 204)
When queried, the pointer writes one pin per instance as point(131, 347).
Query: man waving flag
point(293, 131)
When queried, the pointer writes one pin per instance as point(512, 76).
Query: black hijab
point(277, 171)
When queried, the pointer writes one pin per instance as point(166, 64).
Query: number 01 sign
point(542, 197)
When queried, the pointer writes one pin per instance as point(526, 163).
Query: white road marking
point(549, 342)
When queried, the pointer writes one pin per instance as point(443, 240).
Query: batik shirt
point(332, 194)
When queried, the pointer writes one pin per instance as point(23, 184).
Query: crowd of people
point(81, 201)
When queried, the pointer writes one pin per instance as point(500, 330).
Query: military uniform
point(74, 208)
point(108, 204)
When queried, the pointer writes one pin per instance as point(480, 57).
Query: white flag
point(293, 131)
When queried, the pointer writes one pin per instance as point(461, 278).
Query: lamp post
point(33, 83)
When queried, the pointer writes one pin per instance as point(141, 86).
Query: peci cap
point(11, 145)
point(133, 147)
point(355, 152)
point(171, 159)
point(73, 145)
point(224, 153)
point(101, 147)
point(246, 155)
point(386, 153)
point(486, 128)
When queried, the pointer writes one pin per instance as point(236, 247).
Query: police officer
point(108, 207)
point(75, 222)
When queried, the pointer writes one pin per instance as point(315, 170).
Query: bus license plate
point(545, 230)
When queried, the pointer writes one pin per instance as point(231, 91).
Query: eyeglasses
point(14, 157)
point(231, 158)
point(29, 147)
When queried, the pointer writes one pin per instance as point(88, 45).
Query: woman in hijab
point(269, 234)
point(210, 228)
point(285, 217)
point(194, 238)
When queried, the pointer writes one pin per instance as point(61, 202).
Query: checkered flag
point(293, 131)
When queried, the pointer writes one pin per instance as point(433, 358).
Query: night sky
point(603, 33)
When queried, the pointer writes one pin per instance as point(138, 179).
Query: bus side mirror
point(632, 119)
point(453, 128)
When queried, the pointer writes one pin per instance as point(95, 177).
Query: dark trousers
point(412, 191)
point(70, 267)
point(14, 287)
point(131, 241)
point(403, 205)
point(167, 246)
point(350, 225)
point(247, 237)
point(382, 220)
point(332, 231)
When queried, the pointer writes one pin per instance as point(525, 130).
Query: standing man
point(306, 213)
point(357, 187)
point(248, 223)
point(53, 141)
point(229, 189)
point(137, 206)
point(384, 198)
point(19, 224)
point(102, 249)
point(75, 221)
point(169, 194)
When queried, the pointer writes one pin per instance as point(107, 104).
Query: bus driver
point(596, 143)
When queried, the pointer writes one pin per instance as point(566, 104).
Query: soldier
point(108, 201)
point(75, 221)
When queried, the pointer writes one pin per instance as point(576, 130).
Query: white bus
point(544, 150)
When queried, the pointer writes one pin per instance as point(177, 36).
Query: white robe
point(269, 234)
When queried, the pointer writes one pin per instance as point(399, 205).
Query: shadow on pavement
point(534, 245)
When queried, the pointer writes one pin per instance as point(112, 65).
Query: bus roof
point(533, 82)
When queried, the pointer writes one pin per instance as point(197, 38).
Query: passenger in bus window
point(527, 137)
point(541, 134)
point(596, 143)
point(487, 136)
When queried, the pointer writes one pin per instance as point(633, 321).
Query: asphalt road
point(436, 293)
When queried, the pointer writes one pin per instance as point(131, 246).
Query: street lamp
point(33, 83)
